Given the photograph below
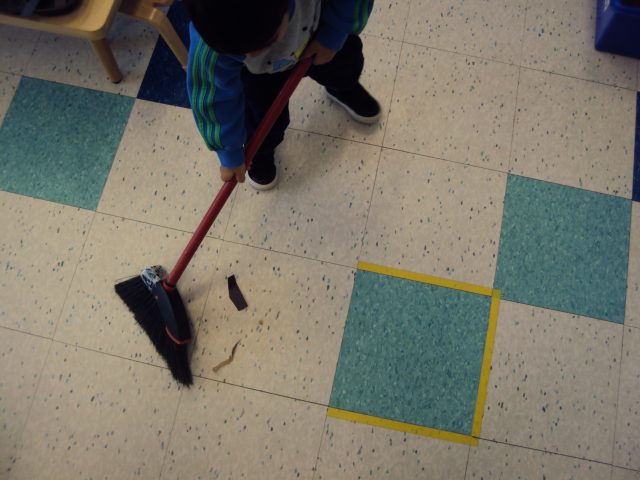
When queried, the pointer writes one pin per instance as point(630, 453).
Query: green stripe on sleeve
point(356, 16)
point(365, 14)
point(202, 95)
point(215, 134)
point(197, 81)
point(211, 93)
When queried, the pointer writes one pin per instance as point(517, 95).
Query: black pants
point(340, 74)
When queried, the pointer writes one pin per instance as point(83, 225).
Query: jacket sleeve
point(216, 95)
point(339, 18)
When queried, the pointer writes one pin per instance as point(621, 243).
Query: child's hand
point(319, 52)
point(227, 174)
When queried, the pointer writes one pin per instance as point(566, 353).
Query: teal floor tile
point(58, 141)
point(564, 249)
point(412, 352)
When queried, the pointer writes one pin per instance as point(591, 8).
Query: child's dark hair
point(237, 26)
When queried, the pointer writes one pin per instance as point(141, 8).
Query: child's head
point(238, 26)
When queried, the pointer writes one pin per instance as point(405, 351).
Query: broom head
point(160, 311)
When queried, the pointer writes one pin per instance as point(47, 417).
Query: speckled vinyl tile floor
point(451, 294)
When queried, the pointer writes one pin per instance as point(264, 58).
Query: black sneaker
point(358, 103)
point(263, 174)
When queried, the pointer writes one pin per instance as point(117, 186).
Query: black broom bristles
point(141, 302)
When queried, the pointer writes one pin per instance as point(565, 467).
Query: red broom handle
point(225, 192)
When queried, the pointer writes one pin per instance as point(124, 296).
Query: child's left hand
point(319, 52)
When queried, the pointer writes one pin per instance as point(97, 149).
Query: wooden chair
point(92, 19)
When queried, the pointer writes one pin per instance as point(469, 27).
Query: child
point(240, 56)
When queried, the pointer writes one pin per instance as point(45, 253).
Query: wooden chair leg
point(103, 50)
point(162, 23)
point(146, 11)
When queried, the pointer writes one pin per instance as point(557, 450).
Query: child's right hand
point(226, 174)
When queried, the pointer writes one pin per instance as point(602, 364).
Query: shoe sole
point(354, 115)
point(263, 187)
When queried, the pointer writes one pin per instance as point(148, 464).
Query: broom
point(153, 297)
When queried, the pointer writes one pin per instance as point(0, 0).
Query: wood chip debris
point(226, 362)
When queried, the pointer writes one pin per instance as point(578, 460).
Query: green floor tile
point(564, 249)
point(412, 352)
point(58, 141)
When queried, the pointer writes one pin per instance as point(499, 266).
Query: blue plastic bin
point(618, 27)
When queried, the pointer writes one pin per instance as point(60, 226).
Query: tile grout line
point(389, 38)
point(396, 149)
point(611, 472)
point(628, 469)
point(408, 152)
point(615, 417)
point(354, 268)
point(466, 465)
point(533, 449)
point(7, 72)
point(565, 312)
point(541, 70)
point(539, 450)
point(23, 428)
point(33, 52)
point(373, 189)
point(82, 347)
point(515, 104)
point(204, 309)
point(401, 426)
point(231, 208)
point(234, 242)
point(384, 135)
point(573, 187)
point(206, 302)
point(145, 222)
point(506, 183)
point(75, 271)
point(265, 392)
point(173, 427)
point(456, 162)
point(315, 465)
point(215, 266)
point(513, 131)
point(51, 342)
point(18, 80)
point(293, 398)
point(524, 31)
point(327, 406)
point(148, 364)
point(563, 75)
point(335, 366)
point(351, 267)
point(291, 254)
point(406, 24)
point(615, 424)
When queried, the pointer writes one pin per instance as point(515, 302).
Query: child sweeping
point(240, 56)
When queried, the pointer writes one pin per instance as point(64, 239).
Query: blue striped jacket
point(214, 80)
